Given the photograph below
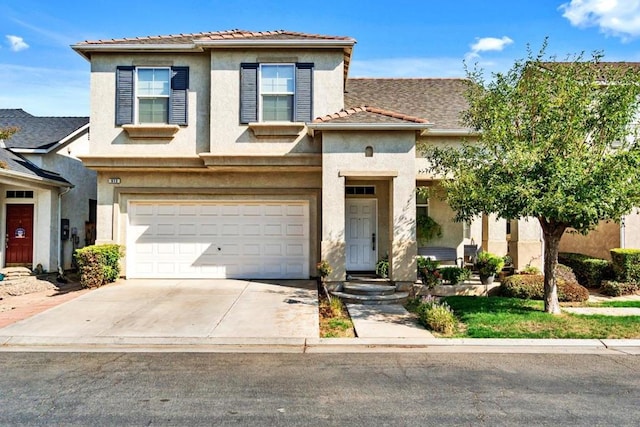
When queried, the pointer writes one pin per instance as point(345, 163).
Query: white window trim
point(136, 107)
point(260, 94)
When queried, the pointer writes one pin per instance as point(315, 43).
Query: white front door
point(361, 234)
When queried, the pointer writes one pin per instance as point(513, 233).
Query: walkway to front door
point(361, 234)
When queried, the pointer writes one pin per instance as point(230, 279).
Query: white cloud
point(620, 18)
point(487, 44)
point(17, 43)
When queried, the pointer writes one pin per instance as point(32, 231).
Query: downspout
point(59, 238)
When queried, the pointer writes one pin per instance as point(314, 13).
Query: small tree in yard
point(556, 142)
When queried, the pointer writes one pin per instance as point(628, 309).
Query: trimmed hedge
point(531, 286)
point(589, 271)
point(626, 264)
point(616, 289)
point(98, 264)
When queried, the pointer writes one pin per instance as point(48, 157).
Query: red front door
point(19, 238)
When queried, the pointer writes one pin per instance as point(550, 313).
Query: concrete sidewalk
point(244, 316)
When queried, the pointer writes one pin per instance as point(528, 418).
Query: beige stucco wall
point(597, 243)
point(213, 99)
point(343, 155)
point(632, 230)
point(107, 139)
point(229, 136)
point(526, 244)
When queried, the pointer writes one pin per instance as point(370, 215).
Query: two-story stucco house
point(47, 196)
point(252, 155)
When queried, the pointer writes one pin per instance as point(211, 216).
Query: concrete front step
point(368, 289)
point(395, 298)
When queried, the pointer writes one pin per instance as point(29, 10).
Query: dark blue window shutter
point(304, 93)
point(124, 95)
point(178, 98)
point(248, 92)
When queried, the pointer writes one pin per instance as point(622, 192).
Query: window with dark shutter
point(267, 98)
point(151, 95)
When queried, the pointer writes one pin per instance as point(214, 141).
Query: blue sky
point(422, 38)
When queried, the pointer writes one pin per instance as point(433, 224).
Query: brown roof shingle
point(438, 101)
point(367, 114)
point(217, 35)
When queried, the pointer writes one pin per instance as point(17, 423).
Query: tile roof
point(38, 132)
point(217, 35)
point(438, 101)
point(367, 114)
point(16, 163)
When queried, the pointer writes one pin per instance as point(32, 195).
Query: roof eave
point(35, 178)
point(453, 132)
point(86, 49)
point(320, 127)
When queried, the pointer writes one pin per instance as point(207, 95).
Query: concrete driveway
point(176, 311)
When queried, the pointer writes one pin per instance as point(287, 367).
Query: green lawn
point(498, 317)
point(616, 304)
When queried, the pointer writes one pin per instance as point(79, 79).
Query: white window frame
point(136, 107)
point(261, 94)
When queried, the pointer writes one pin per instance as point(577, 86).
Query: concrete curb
point(318, 345)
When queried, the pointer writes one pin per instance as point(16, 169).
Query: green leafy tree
point(556, 142)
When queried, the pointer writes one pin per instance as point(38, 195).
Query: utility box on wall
point(64, 229)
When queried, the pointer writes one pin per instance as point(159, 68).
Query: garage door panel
point(218, 240)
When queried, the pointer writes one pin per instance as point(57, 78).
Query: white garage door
point(261, 240)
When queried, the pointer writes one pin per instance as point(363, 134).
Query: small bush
point(98, 264)
point(616, 289)
point(531, 286)
point(626, 265)
point(455, 275)
point(565, 273)
point(589, 271)
point(382, 268)
point(439, 318)
point(436, 316)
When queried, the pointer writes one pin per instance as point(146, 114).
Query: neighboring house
point(253, 155)
point(44, 188)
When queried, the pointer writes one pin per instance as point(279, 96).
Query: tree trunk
point(552, 234)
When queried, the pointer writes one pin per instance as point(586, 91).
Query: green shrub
point(626, 264)
point(455, 275)
point(488, 264)
point(531, 286)
point(98, 264)
point(439, 318)
point(616, 289)
point(382, 268)
point(589, 271)
point(434, 315)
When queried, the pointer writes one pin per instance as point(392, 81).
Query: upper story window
point(277, 89)
point(153, 92)
point(148, 95)
point(276, 92)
